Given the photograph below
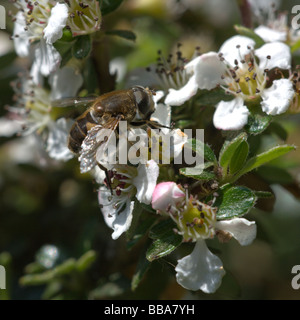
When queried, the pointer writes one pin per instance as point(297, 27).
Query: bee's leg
point(154, 124)
point(151, 124)
point(108, 181)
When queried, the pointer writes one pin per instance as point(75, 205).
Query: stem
point(245, 10)
point(101, 60)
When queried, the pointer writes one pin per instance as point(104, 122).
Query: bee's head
point(144, 101)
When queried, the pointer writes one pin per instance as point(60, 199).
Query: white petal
point(98, 174)
point(10, 127)
point(278, 97)
point(35, 74)
point(162, 114)
point(65, 83)
point(20, 36)
point(179, 139)
point(47, 58)
point(270, 35)
point(208, 71)
point(145, 181)
point(119, 222)
point(243, 230)
point(179, 97)
point(158, 95)
point(201, 270)
point(280, 56)
point(57, 143)
point(231, 52)
point(56, 23)
point(118, 67)
point(231, 115)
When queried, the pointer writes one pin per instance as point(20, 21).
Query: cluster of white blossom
point(37, 26)
point(240, 68)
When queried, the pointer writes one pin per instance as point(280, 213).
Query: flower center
point(245, 79)
point(195, 220)
point(120, 182)
point(36, 14)
point(171, 72)
point(84, 17)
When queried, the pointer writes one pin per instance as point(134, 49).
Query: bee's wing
point(95, 145)
point(77, 102)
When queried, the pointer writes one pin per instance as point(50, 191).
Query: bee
point(134, 105)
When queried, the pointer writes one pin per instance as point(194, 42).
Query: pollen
point(195, 220)
point(245, 79)
point(84, 17)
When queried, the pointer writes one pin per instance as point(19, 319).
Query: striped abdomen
point(79, 131)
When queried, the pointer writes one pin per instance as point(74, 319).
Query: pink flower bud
point(166, 194)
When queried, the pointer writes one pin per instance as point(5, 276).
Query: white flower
point(246, 79)
point(177, 77)
point(37, 26)
point(126, 182)
point(236, 70)
point(196, 221)
point(34, 113)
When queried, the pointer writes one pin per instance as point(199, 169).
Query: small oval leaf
point(234, 201)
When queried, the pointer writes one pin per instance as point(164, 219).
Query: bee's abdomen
point(79, 131)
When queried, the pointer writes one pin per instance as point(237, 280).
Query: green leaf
point(65, 50)
point(107, 6)
point(239, 157)
point(141, 269)
point(113, 287)
point(86, 260)
point(234, 201)
point(257, 123)
point(136, 214)
point(45, 277)
point(82, 47)
point(205, 175)
point(229, 148)
point(166, 240)
point(251, 34)
point(126, 34)
point(199, 146)
point(141, 231)
point(265, 157)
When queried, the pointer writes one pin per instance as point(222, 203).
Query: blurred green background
point(53, 240)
